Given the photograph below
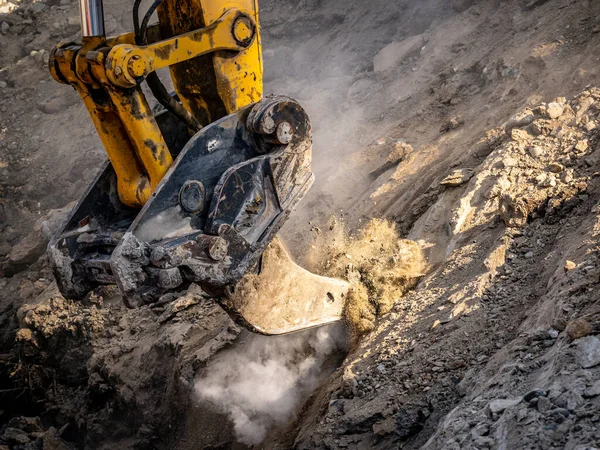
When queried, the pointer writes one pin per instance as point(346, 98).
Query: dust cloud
point(263, 382)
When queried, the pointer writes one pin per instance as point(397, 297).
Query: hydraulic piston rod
point(92, 18)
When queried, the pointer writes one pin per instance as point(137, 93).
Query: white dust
point(261, 383)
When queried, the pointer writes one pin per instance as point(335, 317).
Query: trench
point(275, 378)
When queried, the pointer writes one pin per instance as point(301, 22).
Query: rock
point(544, 404)
point(546, 180)
point(381, 369)
point(578, 328)
point(393, 54)
point(529, 255)
point(454, 123)
point(570, 265)
point(177, 306)
point(593, 390)
point(519, 135)
point(554, 110)
point(559, 414)
point(536, 151)
point(498, 406)
point(587, 353)
point(4, 27)
point(509, 161)
point(15, 436)
point(52, 440)
point(458, 177)
point(483, 442)
point(536, 393)
point(410, 420)
point(569, 400)
point(26, 424)
point(3, 84)
point(385, 427)
point(32, 246)
point(7, 7)
point(553, 333)
point(555, 167)
point(582, 145)
point(65, 2)
point(519, 120)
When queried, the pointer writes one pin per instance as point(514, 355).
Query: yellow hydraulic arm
point(213, 51)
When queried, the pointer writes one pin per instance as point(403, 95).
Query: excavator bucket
point(209, 222)
point(283, 297)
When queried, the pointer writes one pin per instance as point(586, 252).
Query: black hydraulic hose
point(136, 20)
point(156, 86)
point(170, 103)
point(146, 19)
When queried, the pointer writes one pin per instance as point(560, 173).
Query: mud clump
point(381, 268)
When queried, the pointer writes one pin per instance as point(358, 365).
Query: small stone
point(519, 135)
point(559, 414)
point(570, 265)
point(4, 27)
point(544, 405)
point(381, 368)
point(498, 406)
point(555, 167)
point(588, 352)
point(554, 110)
point(519, 120)
point(536, 151)
point(578, 328)
point(591, 125)
point(568, 176)
point(3, 84)
point(452, 124)
point(529, 255)
point(536, 393)
point(582, 145)
point(546, 180)
point(553, 333)
point(483, 442)
point(509, 162)
point(593, 390)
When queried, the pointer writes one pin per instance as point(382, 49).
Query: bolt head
point(191, 196)
point(284, 133)
point(243, 31)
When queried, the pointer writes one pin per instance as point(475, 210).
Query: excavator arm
point(196, 192)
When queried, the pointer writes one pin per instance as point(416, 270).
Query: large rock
point(34, 244)
point(588, 352)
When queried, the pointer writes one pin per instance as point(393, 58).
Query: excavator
point(197, 186)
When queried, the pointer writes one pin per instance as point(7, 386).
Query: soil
point(471, 126)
